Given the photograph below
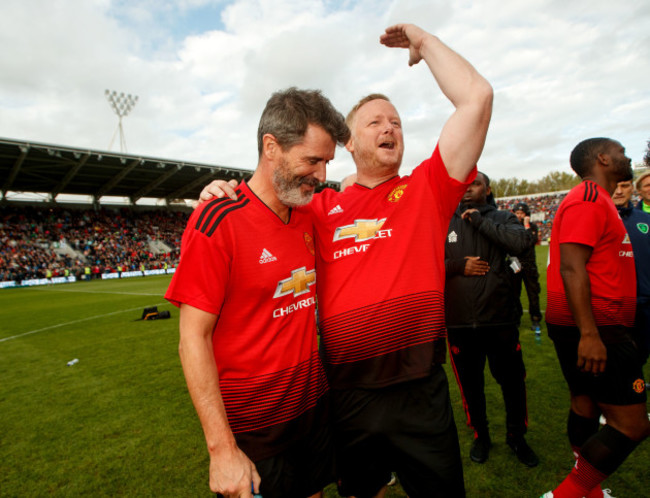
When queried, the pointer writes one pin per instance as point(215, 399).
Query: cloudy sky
point(562, 71)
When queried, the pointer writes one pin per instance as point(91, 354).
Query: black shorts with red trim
point(303, 468)
point(622, 381)
point(407, 428)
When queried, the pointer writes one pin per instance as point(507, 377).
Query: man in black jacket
point(528, 273)
point(482, 315)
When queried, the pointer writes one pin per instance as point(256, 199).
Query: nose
point(321, 171)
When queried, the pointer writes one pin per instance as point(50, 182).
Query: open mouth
point(387, 145)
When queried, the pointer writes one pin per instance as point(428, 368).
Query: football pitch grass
point(120, 421)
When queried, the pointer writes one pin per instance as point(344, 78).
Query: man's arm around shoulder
point(231, 471)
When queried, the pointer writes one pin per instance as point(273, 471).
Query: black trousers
point(530, 276)
point(469, 348)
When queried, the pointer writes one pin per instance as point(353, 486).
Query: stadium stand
point(44, 241)
point(50, 239)
point(542, 208)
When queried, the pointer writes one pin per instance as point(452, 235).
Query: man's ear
point(270, 146)
point(603, 158)
point(349, 145)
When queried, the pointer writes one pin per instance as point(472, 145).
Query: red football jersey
point(381, 276)
point(588, 216)
point(241, 262)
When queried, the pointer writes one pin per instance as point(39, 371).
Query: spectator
point(528, 273)
point(643, 187)
point(482, 315)
point(637, 225)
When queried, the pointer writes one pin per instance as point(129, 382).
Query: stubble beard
point(288, 186)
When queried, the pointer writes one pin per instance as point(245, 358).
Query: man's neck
point(602, 181)
point(371, 181)
point(645, 206)
point(263, 189)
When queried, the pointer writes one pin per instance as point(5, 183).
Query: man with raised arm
point(590, 316)
point(246, 290)
point(381, 277)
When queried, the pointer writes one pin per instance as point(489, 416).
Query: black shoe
point(524, 453)
point(480, 449)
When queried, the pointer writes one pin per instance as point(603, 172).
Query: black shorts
point(408, 428)
point(301, 470)
point(622, 382)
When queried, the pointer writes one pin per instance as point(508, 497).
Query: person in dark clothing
point(637, 225)
point(528, 273)
point(482, 315)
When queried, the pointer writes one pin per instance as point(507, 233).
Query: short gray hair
point(289, 112)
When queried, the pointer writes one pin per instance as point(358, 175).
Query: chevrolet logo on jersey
point(298, 283)
point(361, 230)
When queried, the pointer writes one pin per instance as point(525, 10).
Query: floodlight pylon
point(122, 104)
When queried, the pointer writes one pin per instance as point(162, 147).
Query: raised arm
point(463, 135)
point(231, 472)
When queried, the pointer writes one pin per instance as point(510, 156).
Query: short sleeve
point(582, 223)
point(202, 276)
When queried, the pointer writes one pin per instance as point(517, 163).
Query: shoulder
point(210, 215)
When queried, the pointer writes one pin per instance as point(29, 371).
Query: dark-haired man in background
point(482, 315)
point(529, 273)
point(590, 317)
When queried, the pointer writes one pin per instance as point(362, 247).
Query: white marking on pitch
point(96, 292)
point(76, 321)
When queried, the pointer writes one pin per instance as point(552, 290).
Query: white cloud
point(203, 69)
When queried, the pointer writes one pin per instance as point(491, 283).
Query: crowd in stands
point(44, 241)
point(542, 208)
point(109, 240)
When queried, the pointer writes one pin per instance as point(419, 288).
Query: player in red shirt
point(590, 314)
point(246, 290)
point(380, 263)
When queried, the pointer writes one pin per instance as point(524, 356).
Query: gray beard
point(287, 187)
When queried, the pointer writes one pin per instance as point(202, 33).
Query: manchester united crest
point(638, 386)
point(309, 242)
point(397, 193)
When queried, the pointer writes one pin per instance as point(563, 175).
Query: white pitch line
point(96, 292)
point(75, 321)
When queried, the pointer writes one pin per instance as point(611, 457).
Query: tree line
point(553, 182)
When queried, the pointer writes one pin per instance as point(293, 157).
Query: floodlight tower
point(122, 105)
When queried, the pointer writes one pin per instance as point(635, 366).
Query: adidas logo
point(335, 210)
point(267, 257)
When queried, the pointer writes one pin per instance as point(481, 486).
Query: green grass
point(120, 422)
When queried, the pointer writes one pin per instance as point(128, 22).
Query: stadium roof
point(54, 169)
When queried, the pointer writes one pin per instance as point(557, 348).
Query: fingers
point(257, 480)
point(591, 365)
point(395, 36)
point(219, 189)
point(467, 213)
